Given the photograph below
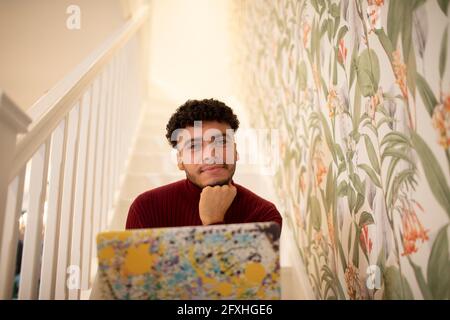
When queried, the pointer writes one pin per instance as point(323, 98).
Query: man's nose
point(209, 153)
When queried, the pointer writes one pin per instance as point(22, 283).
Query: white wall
point(36, 47)
point(190, 49)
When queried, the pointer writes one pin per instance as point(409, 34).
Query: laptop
point(233, 261)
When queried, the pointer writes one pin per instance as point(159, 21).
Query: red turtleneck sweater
point(176, 205)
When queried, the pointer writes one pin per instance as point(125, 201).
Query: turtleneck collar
point(191, 187)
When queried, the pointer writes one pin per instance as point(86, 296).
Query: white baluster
point(51, 234)
point(121, 112)
point(98, 168)
point(109, 146)
point(89, 187)
point(13, 120)
point(126, 107)
point(66, 202)
point(79, 196)
point(11, 236)
point(32, 246)
point(114, 135)
point(117, 165)
point(104, 151)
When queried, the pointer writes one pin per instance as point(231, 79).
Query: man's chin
point(214, 181)
point(209, 182)
point(217, 183)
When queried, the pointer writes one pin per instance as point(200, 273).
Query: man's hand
point(214, 203)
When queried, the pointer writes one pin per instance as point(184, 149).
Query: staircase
point(149, 164)
point(62, 162)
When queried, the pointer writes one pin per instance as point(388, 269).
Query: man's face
point(207, 153)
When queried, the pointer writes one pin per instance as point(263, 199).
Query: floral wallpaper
point(360, 91)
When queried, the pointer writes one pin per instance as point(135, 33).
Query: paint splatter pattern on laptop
point(216, 262)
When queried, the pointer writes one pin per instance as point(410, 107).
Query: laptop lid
point(234, 261)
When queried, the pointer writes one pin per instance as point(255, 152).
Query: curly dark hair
point(196, 110)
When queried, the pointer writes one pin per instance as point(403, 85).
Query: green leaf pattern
point(364, 126)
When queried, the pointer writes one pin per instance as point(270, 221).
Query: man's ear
point(180, 161)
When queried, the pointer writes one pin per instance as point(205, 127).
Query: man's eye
point(195, 146)
point(220, 142)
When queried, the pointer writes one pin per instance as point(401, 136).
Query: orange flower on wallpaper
point(320, 170)
point(374, 102)
point(374, 14)
point(378, 3)
point(306, 30)
point(413, 230)
point(332, 102)
point(302, 181)
point(441, 122)
point(400, 72)
point(351, 277)
point(318, 238)
point(342, 53)
point(335, 103)
point(364, 240)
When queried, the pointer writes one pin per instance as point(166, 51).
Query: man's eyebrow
point(223, 135)
point(198, 139)
point(228, 135)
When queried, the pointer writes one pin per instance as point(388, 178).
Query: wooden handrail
point(51, 108)
point(13, 116)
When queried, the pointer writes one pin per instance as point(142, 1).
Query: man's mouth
point(211, 168)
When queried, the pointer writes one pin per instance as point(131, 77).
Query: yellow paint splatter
point(106, 254)
point(254, 272)
point(138, 260)
point(225, 289)
point(261, 293)
point(113, 235)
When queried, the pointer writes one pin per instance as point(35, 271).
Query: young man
point(202, 131)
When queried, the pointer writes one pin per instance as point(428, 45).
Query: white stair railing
point(61, 166)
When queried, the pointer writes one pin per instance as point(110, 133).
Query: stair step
point(153, 125)
point(135, 184)
point(159, 97)
point(151, 163)
point(120, 215)
point(159, 112)
point(147, 143)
